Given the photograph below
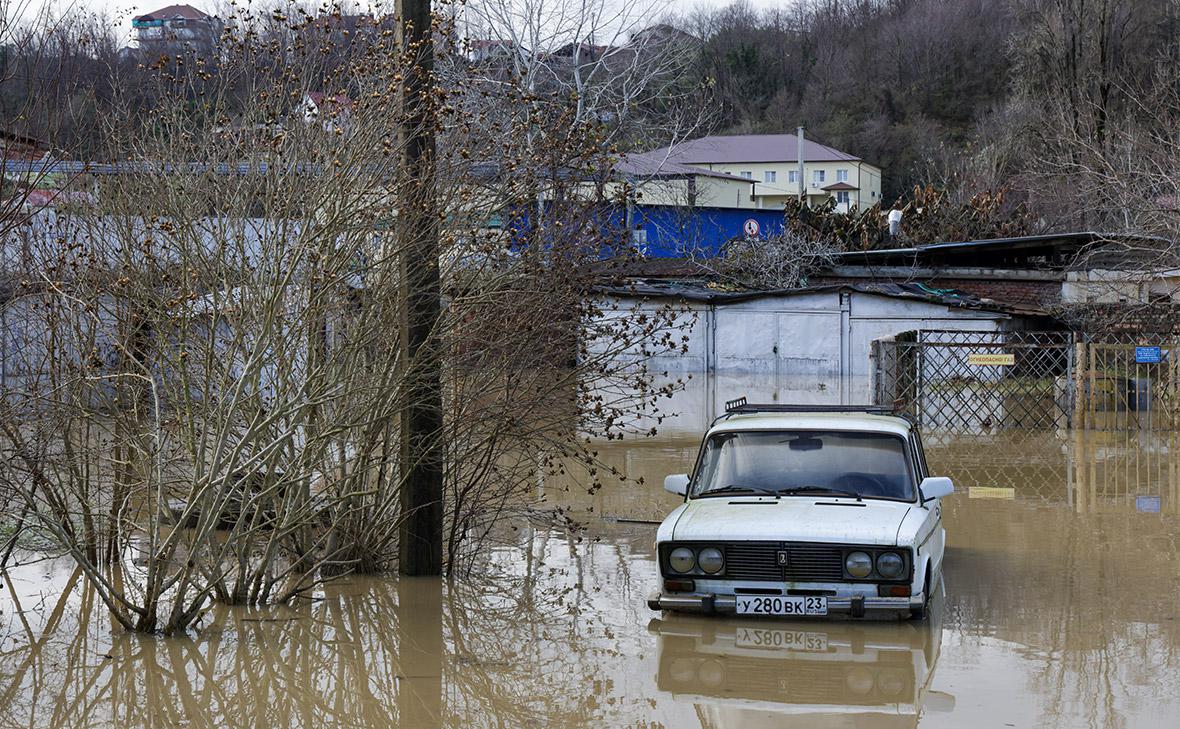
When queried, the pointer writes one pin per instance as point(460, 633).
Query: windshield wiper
point(738, 488)
point(818, 490)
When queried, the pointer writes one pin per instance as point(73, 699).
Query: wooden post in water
point(420, 536)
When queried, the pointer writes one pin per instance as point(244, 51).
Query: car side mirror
point(935, 487)
point(939, 701)
point(677, 484)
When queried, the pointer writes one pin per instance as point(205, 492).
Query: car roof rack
point(740, 406)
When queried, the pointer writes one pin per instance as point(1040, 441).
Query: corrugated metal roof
point(1063, 248)
point(750, 148)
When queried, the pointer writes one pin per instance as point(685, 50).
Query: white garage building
point(803, 346)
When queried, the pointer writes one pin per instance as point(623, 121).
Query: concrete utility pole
point(799, 160)
point(420, 536)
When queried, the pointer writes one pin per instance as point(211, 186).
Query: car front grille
point(788, 677)
point(806, 562)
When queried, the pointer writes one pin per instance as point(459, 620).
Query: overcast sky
point(121, 11)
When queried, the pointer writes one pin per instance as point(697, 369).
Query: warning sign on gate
point(991, 360)
point(751, 228)
point(1148, 355)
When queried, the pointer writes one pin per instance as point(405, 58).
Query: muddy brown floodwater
point(1061, 609)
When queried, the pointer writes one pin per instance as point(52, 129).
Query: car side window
point(919, 456)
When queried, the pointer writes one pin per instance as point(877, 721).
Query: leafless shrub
point(210, 379)
point(782, 262)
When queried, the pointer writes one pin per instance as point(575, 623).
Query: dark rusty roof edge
point(1016, 243)
point(690, 291)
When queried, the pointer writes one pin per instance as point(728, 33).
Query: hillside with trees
point(1016, 115)
point(1054, 102)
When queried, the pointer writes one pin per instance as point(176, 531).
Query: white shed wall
point(806, 348)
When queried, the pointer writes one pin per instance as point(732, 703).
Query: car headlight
point(859, 680)
point(711, 673)
point(682, 559)
point(891, 682)
point(890, 565)
point(711, 560)
point(858, 564)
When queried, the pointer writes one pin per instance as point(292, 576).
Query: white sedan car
point(804, 512)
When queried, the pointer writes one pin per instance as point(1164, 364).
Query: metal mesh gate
point(977, 381)
point(1128, 381)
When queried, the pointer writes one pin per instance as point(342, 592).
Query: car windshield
point(804, 463)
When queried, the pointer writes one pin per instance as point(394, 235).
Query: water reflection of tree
point(530, 646)
point(524, 649)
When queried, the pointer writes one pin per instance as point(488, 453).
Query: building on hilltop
point(771, 161)
point(176, 27)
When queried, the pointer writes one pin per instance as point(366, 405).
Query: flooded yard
point(1060, 610)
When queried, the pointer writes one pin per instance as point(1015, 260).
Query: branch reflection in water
point(1059, 611)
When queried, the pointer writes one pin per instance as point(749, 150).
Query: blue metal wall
point(673, 232)
point(670, 231)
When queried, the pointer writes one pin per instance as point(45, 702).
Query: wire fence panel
point(962, 381)
point(1128, 381)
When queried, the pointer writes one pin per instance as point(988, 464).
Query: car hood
point(792, 518)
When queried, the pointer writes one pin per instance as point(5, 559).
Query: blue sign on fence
point(1147, 504)
point(1147, 355)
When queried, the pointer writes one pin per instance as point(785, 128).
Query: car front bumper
point(855, 606)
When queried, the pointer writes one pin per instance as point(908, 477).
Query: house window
point(746, 174)
point(842, 197)
point(770, 176)
point(818, 176)
point(793, 176)
point(841, 175)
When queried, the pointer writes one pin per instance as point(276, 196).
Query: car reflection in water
point(752, 673)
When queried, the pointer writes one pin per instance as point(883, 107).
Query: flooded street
point(1060, 610)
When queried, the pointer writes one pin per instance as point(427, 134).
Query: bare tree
point(206, 386)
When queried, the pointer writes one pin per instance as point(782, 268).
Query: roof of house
point(751, 148)
point(41, 198)
point(319, 97)
point(647, 164)
point(840, 186)
point(188, 12)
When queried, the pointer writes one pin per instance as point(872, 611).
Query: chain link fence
point(962, 381)
point(977, 381)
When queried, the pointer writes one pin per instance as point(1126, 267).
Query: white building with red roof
point(174, 26)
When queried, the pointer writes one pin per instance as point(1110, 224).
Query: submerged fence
point(980, 381)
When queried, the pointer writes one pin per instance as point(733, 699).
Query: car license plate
point(794, 640)
point(779, 605)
